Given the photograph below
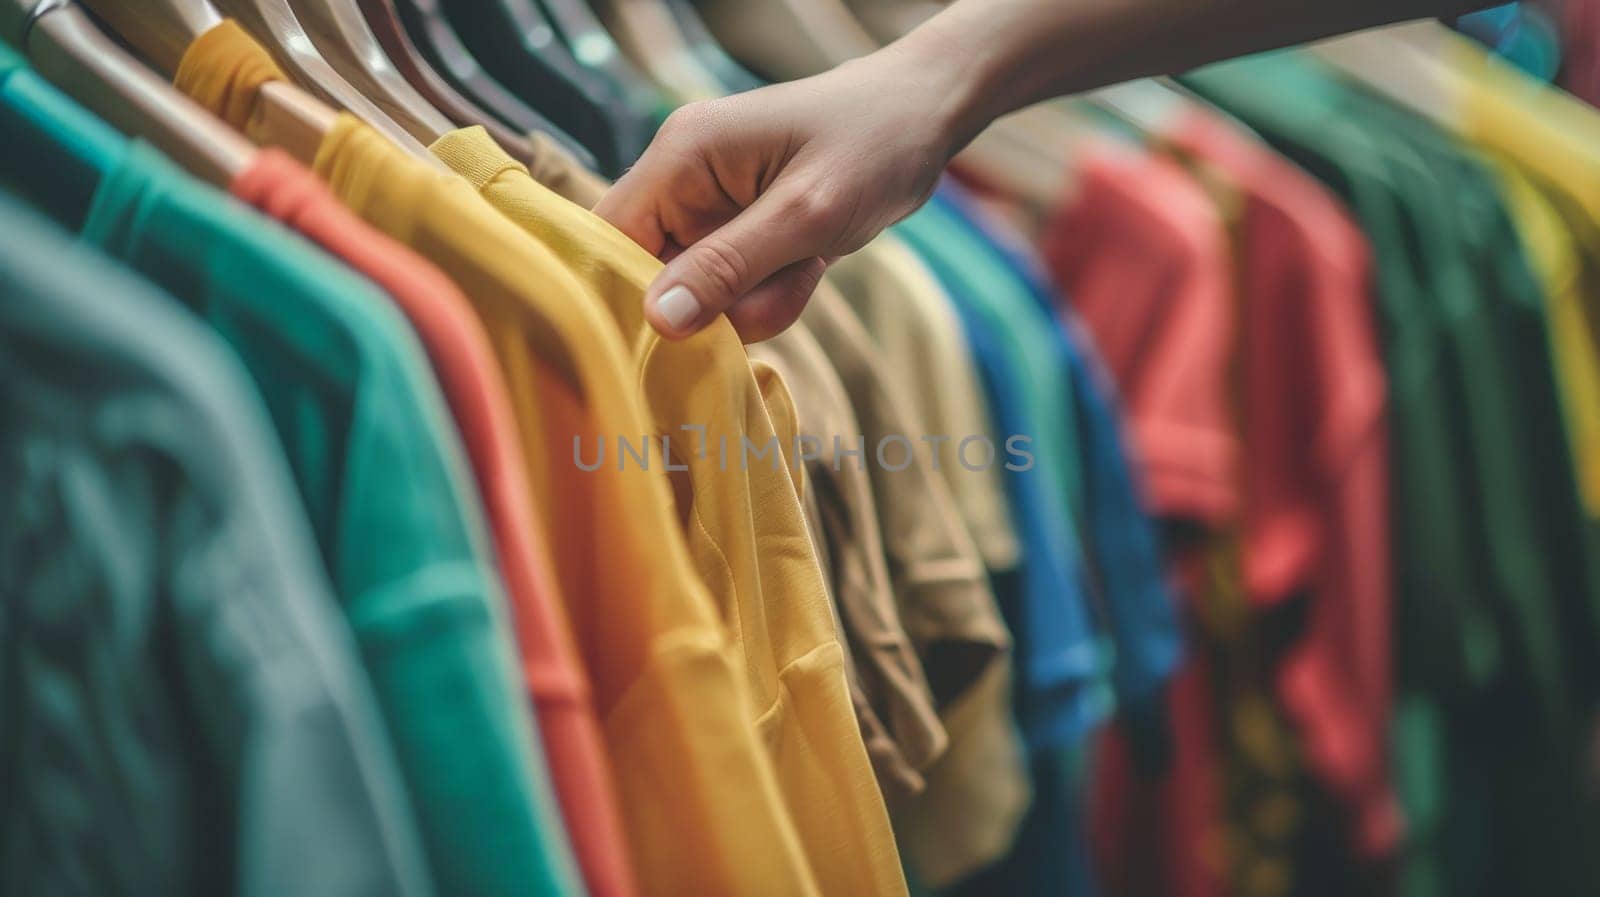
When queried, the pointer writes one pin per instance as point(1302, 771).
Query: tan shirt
point(979, 789)
point(919, 338)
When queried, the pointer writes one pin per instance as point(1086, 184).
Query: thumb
point(782, 227)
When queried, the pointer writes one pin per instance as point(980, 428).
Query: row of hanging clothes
point(1199, 496)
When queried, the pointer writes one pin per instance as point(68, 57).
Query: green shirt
point(382, 478)
point(184, 712)
point(1491, 566)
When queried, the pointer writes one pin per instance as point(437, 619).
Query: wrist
point(918, 76)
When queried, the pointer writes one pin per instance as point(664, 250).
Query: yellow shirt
point(699, 796)
point(743, 519)
point(1556, 261)
point(1553, 140)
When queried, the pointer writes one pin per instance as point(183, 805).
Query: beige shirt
point(980, 787)
point(915, 328)
point(551, 165)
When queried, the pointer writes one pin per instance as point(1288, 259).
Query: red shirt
point(1315, 471)
point(1580, 71)
point(476, 391)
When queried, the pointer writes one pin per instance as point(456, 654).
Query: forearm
point(996, 56)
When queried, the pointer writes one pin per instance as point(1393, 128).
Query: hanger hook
point(37, 12)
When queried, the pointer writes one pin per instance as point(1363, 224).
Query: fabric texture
point(224, 69)
point(554, 167)
point(186, 712)
point(745, 527)
point(479, 403)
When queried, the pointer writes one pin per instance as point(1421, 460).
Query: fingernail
point(678, 308)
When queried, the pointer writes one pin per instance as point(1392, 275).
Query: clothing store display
point(675, 650)
point(1062, 690)
point(1198, 496)
point(1060, 664)
point(1493, 624)
point(1306, 262)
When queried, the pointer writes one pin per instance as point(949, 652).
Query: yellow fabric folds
point(743, 520)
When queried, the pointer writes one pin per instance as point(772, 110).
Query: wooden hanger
point(519, 45)
point(433, 35)
point(68, 49)
point(787, 39)
point(385, 21)
point(160, 30)
point(339, 30)
point(273, 24)
point(594, 47)
point(1426, 36)
point(730, 75)
point(1032, 155)
point(1395, 70)
point(652, 38)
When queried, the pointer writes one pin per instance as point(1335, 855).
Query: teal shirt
point(184, 712)
point(381, 477)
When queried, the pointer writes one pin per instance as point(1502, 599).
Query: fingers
point(783, 228)
point(672, 186)
point(777, 302)
point(630, 205)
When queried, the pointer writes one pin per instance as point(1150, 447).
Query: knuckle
point(722, 266)
point(686, 121)
point(810, 205)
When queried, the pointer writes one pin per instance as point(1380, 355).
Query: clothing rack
point(1199, 496)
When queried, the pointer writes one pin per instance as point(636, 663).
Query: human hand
point(748, 198)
